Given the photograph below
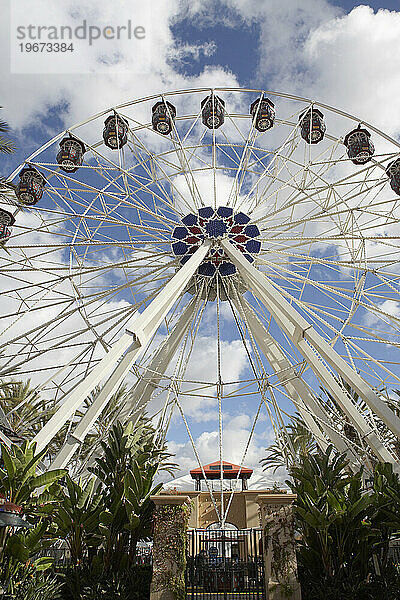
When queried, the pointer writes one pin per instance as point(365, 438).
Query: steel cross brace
point(312, 346)
point(138, 332)
point(309, 409)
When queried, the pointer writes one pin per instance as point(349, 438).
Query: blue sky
point(342, 53)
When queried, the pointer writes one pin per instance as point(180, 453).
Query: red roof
point(8, 506)
point(213, 471)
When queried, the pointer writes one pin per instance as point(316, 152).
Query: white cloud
point(349, 61)
point(236, 434)
point(354, 62)
point(387, 309)
point(25, 97)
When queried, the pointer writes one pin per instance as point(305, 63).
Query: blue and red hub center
point(216, 224)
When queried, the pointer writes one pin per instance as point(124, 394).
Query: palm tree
point(295, 442)
point(7, 146)
point(23, 412)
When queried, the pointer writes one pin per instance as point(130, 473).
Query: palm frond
point(7, 145)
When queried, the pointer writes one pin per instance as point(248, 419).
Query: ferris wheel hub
point(215, 224)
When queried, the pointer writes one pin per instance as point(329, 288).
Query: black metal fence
point(62, 556)
point(394, 551)
point(225, 564)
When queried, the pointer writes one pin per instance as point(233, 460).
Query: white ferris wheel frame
point(320, 356)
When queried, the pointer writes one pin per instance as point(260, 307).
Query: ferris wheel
point(171, 229)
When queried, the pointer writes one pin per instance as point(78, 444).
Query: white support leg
point(139, 330)
point(309, 343)
point(310, 411)
point(3, 420)
point(146, 385)
point(142, 390)
point(76, 438)
point(5, 440)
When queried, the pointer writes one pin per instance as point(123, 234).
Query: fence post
point(279, 546)
point(171, 516)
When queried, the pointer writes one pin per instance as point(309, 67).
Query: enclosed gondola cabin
point(163, 117)
point(70, 155)
point(359, 146)
point(115, 132)
point(393, 172)
point(312, 125)
point(7, 220)
point(263, 112)
point(213, 472)
point(30, 187)
point(212, 111)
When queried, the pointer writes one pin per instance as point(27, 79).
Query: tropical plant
point(338, 535)
point(103, 522)
point(21, 562)
point(7, 146)
point(21, 485)
point(25, 545)
point(32, 584)
point(386, 516)
point(37, 494)
point(91, 585)
point(77, 518)
point(131, 459)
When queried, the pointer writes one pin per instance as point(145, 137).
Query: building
point(243, 510)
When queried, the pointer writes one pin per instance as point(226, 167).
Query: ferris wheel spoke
point(186, 169)
point(282, 154)
point(87, 302)
point(335, 293)
point(118, 196)
point(156, 164)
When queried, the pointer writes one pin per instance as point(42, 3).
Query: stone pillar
point(171, 516)
point(279, 547)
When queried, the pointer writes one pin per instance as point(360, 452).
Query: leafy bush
point(30, 584)
point(344, 529)
point(87, 584)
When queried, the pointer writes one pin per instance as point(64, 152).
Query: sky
point(342, 53)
